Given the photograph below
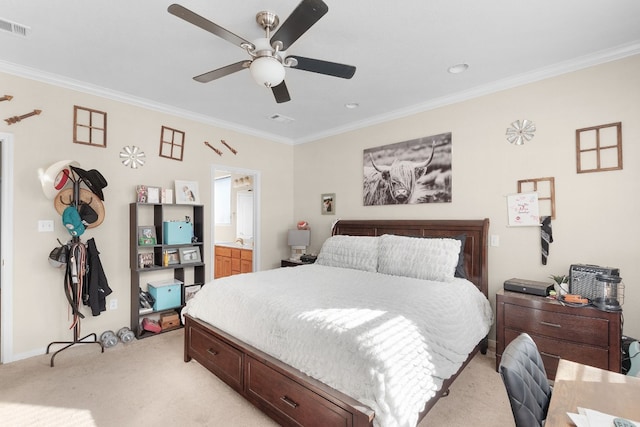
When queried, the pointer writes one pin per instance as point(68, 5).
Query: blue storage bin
point(167, 293)
point(177, 232)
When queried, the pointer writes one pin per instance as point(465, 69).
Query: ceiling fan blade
point(323, 67)
point(221, 72)
point(307, 13)
point(205, 24)
point(281, 93)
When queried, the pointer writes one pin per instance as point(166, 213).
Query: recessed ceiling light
point(458, 68)
point(352, 105)
point(280, 118)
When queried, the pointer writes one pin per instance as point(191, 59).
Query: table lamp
point(298, 240)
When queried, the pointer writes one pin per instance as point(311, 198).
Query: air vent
point(14, 27)
point(280, 118)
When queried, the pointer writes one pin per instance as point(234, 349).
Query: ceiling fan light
point(267, 71)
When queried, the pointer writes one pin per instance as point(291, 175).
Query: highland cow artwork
point(409, 172)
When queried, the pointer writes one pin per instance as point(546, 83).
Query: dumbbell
point(108, 339)
point(126, 335)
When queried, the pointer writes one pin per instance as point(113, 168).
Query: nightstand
point(289, 263)
point(581, 334)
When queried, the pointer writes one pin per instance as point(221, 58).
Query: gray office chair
point(526, 382)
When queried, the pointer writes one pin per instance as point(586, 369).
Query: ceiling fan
point(268, 54)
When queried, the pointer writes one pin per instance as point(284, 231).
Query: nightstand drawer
point(577, 329)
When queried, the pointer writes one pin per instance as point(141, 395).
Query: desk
point(588, 387)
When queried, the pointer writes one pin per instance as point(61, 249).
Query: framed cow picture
point(408, 172)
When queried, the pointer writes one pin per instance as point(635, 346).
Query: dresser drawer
point(290, 403)
point(577, 329)
point(552, 350)
point(217, 356)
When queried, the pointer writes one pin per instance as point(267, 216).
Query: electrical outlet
point(113, 304)
point(45, 225)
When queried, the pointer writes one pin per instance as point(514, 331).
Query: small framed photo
point(146, 235)
point(141, 193)
point(166, 196)
point(190, 291)
point(172, 256)
point(153, 195)
point(145, 260)
point(189, 255)
point(328, 206)
point(187, 192)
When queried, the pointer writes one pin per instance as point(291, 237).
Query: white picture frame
point(187, 193)
point(523, 209)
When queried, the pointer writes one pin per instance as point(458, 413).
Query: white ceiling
point(137, 52)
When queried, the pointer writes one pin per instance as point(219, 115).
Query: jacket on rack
point(96, 286)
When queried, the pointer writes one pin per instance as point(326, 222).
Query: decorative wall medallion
point(132, 156)
point(521, 131)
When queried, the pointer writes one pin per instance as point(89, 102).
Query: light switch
point(495, 240)
point(45, 225)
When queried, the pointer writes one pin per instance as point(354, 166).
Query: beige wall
point(597, 213)
point(39, 305)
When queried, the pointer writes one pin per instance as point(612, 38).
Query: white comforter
point(386, 341)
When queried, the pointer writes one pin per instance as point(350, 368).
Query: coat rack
point(74, 299)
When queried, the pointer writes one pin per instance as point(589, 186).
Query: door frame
point(6, 249)
point(256, 212)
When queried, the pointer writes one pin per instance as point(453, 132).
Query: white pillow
point(430, 259)
point(356, 252)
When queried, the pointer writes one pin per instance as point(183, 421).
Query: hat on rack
point(92, 179)
point(71, 220)
point(56, 177)
point(58, 256)
point(90, 207)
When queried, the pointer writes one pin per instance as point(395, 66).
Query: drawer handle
point(549, 355)
point(212, 352)
point(289, 402)
point(553, 325)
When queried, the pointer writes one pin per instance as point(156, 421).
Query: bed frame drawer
point(292, 403)
point(217, 356)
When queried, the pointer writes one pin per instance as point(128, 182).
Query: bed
point(402, 360)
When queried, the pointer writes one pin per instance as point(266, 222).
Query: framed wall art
point(409, 172)
point(328, 204)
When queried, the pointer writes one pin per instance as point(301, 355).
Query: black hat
point(93, 179)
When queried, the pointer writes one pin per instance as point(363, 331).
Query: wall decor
point(171, 143)
point(218, 152)
point(6, 98)
point(408, 172)
point(166, 195)
point(546, 189)
point(187, 192)
point(328, 204)
point(521, 131)
point(153, 195)
point(145, 260)
point(523, 210)
point(89, 127)
point(233, 150)
point(16, 119)
point(599, 148)
point(132, 156)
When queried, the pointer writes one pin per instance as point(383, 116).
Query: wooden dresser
point(580, 334)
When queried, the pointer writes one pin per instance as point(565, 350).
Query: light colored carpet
point(146, 382)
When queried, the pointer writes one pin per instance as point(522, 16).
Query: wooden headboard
point(475, 248)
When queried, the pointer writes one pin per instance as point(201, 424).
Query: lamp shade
point(267, 71)
point(299, 237)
